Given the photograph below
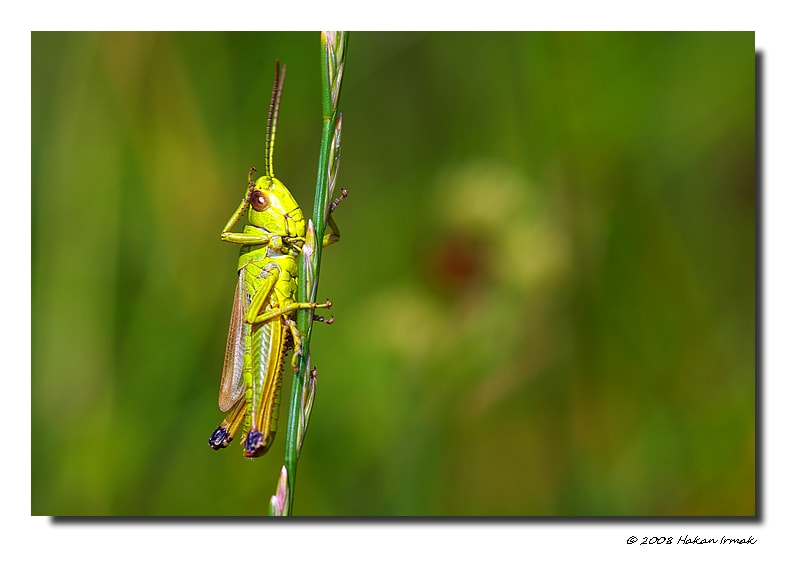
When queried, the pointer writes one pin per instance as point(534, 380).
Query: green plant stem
point(307, 287)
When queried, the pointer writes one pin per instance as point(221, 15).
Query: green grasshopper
point(265, 303)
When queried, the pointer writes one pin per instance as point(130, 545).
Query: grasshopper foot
point(337, 200)
point(322, 319)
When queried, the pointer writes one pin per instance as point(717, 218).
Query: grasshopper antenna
point(272, 117)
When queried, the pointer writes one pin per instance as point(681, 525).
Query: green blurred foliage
point(544, 295)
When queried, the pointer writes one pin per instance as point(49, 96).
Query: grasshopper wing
point(231, 386)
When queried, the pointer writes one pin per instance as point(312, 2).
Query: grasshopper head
point(273, 208)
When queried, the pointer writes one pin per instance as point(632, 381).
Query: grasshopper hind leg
point(223, 434)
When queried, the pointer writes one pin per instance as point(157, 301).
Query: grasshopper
point(265, 302)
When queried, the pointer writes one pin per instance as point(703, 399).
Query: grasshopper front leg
point(240, 237)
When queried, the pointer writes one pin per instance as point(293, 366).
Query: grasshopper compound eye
point(258, 201)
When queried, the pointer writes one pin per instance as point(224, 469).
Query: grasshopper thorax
point(273, 208)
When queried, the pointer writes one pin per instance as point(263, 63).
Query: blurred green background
point(544, 295)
